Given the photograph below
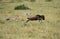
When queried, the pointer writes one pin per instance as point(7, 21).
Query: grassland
point(47, 29)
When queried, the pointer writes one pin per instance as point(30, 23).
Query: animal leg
point(27, 21)
point(39, 20)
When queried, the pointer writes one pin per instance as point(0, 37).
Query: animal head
point(40, 17)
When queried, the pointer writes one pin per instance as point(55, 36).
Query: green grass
point(22, 7)
point(47, 29)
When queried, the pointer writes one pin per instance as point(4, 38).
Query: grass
point(48, 0)
point(47, 29)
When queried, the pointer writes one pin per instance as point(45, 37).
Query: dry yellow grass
point(47, 29)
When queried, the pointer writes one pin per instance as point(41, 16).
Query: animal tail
point(28, 18)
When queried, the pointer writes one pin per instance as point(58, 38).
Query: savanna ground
point(47, 29)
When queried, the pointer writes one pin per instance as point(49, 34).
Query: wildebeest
point(36, 17)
